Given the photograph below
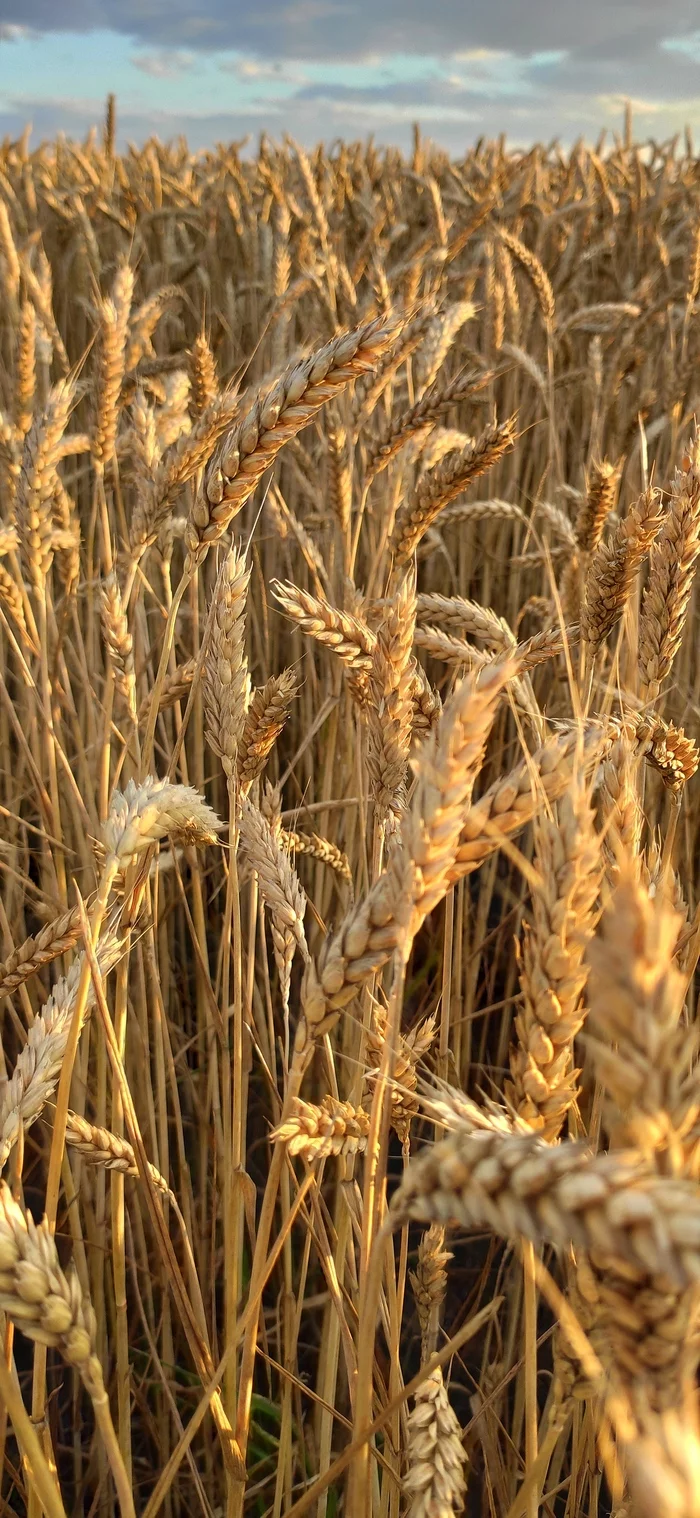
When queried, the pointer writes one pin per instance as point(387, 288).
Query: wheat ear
point(267, 713)
point(48, 1306)
point(316, 1132)
point(441, 484)
point(114, 327)
point(520, 1186)
point(418, 872)
point(226, 682)
point(56, 938)
point(38, 1066)
point(436, 401)
point(246, 452)
point(35, 485)
point(636, 994)
point(535, 271)
point(614, 566)
point(98, 1146)
point(515, 798)
point(204, 381)
point(411, 1049)
point(553, 973)
point(673, 563)
point(118, 641)
point(280, 890)
point(435, 1457)
point(316, 847)
point(346, 634)
point(390, 708)
point(143, 814)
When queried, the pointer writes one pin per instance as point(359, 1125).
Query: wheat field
point(350, 910)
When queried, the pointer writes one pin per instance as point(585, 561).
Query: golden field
point(349, 1097)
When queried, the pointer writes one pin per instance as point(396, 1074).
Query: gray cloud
point(314, 29)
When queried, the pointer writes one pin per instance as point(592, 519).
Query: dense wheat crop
point(349, 1097)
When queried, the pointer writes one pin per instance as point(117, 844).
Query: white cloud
point(393, 111)
point(614, 105)
point(478, 55)
point(254, 68)
point(166, 63)
point(12, 31)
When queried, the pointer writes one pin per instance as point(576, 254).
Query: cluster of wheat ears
point(350, 1079)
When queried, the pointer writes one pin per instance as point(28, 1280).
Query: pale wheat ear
point(280, 890)
point(143, 814)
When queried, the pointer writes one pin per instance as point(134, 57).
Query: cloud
point(322, 68)
point(344, 29)
point(278, 72)
point(454, 116)
point(12, 31)
point(166, 63)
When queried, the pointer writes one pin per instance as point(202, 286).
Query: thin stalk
point(359, 1488)
point(530, 1371)
point(258, 1274)
point(41, 1478)
point(168, 635)
point(121, 1479)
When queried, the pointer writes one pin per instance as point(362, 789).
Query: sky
point(321, 69)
